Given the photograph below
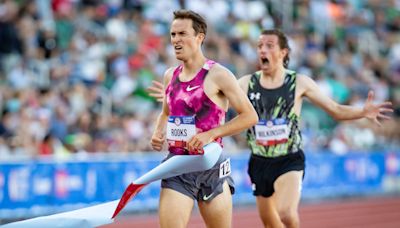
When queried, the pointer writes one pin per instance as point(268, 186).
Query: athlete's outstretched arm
point(372, 111)
point(158, 138)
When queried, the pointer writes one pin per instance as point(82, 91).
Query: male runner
point(277, 162)
point(198, 94)
point(276, 165)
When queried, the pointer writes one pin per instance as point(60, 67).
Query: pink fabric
point(189, 99)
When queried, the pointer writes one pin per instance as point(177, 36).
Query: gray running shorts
point(202, 185)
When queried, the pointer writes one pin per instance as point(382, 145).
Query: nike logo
point(191, 88)
point(205, 197)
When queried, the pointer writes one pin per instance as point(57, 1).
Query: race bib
point(180, 129)
point(225, 168)
point(272, 132)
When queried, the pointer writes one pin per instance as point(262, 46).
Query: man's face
point(270, 55)
point(184, 40)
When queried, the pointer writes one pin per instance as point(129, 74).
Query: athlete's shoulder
point(170, 70)
point(302, 78)
point(244, 82)
point(220, 73)
point(295, 73)
point(305, 83)
point(245, 77)
point(291, 72)
point(168, 74)
point(220, 69)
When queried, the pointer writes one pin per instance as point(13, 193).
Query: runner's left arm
point(371, 111)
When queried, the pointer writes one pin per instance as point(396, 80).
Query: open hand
point(156, 90)
point(375, 112)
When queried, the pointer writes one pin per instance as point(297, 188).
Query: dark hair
point(283, 43)
point(198, 22)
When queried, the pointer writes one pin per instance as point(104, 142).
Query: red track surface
point(361, 213)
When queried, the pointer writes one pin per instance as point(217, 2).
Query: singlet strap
point(177, 71)
point(208, 64)
point(206, 67)
point(203, 71)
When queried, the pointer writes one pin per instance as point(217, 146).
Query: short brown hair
point(198, 22)
point(282, 40)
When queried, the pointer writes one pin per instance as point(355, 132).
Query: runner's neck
point(192, 66)
point(276, 77)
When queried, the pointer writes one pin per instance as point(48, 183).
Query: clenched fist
point(157, 141)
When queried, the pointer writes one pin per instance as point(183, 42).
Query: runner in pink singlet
point(190, 109)
point(198, 94)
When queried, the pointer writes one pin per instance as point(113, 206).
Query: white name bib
point(180, 129)
point(272, 132)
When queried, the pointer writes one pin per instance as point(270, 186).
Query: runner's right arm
point(158, 138)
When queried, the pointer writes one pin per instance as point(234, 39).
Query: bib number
point(225, 168)
point(180, 129)
point(272, 132)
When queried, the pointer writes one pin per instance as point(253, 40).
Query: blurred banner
point(34, 188)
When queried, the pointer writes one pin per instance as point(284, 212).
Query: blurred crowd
point(74, 73)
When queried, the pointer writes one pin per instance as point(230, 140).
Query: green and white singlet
point(277, 133)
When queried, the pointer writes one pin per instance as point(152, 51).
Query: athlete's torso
point(277, 133)
point(189, 105)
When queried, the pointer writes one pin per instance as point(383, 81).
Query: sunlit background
point(76, 120)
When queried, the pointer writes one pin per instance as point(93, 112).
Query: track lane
point(349, 213)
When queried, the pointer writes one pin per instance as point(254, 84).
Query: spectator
point(73, 73)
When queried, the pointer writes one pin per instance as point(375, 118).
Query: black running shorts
point(264, 171)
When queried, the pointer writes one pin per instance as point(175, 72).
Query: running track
point(361, 213)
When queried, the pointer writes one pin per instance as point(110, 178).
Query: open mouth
point(178, 48)
point(264, 60)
